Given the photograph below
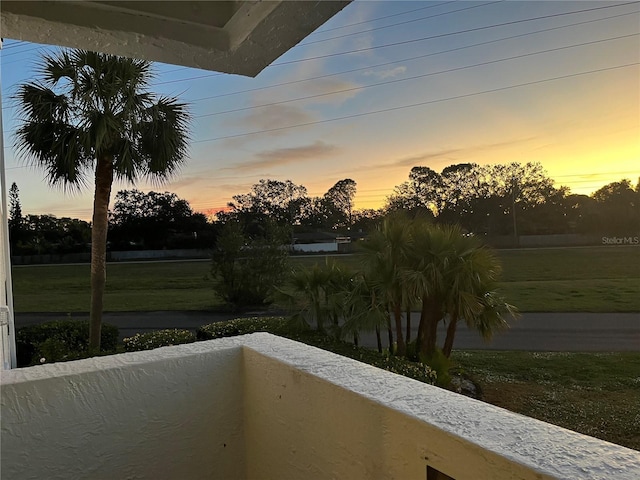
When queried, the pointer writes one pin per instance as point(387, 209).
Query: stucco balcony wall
point(262, 407)
point(171, 413)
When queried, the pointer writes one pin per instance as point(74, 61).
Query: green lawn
point(570, 263)
point(597, 394)
point(130, 287)
point(597, 279)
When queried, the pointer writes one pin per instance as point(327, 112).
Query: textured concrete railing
point(260, 407)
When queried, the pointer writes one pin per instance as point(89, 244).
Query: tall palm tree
point(91, 113)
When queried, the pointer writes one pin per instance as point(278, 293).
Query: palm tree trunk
point(379, 339)
point(451, 333)
point(355, 339)
point(319, 318)
point(397, 314)
point(103, 182)
point(428, 329)
point(422, 325)
point(431, 333)
point(408, 340)
point(390, 333)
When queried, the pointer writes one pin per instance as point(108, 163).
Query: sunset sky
point(385, 86)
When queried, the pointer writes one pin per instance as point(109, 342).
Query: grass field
point(597, 279)
point(594, 394)
point(130, 287)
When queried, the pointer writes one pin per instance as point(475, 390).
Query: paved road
point(567, 332)
point(588, 332)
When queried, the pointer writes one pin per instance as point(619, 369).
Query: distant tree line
point(489, 200)
point(44, 234)
point(289, 205)
point(138, 220)
point(516, 199)
point(156, 221)
point(248, 260)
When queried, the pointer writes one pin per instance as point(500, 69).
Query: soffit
point(241, 37)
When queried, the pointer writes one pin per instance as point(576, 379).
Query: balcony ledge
point(240, 407)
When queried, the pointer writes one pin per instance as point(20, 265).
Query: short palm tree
point(385, 256)
point(305, 294)
point(316, 295)
point(427, 277)
point(471, 294)
point(91, 113)
point(364, 310)
point(454, 276)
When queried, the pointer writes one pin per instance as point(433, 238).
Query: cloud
point(388, 73)
point(284, 156)
point(326, 87)
point(423, 157)
point(233, 188)
point(261, 122)
point(438, 157)
point(183, 182)
point(275, 116)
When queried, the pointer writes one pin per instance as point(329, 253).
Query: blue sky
point(385, 86)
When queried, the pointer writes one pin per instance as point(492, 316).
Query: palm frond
point(58, 149)
point(38, 103)
point(57, 66)
point(164, 138)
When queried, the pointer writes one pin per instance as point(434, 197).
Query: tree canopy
point(156, 220)
point(514, 199)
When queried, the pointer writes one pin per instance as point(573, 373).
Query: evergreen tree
point(16, 222)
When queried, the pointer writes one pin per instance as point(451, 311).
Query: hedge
point(157, 339)
point(60, 341)
point(242, 326)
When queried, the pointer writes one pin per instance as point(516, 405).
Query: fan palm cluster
point(408, 264)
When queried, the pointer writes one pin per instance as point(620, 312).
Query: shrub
point(60, 341)
point(247, 269)
point(242, 326)
point(441, 364)
point(386, 361)
point(407, 368)
point(157, 339)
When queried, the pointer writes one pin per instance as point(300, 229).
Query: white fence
point(315, 247)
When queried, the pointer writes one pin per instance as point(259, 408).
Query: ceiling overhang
point(241, 37)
